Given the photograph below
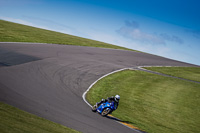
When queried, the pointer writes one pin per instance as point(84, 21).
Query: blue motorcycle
point(105, 108)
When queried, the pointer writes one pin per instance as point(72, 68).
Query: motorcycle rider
point(110, 99)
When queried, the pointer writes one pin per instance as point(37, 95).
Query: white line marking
point(84, 94)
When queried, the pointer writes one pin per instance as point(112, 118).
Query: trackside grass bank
point(13, 120)
point(151, 102)
point(192, 73)
point(12, 32)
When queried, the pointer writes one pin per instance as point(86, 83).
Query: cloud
point(195, 33)
point(171, 38)
point(132, 24)
point(133, 31)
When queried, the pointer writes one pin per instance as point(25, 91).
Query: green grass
point(12, 32)
point(13, 120)
point(151, 102)
point(192, 73)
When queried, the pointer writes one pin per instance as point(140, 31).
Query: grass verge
point(12, 32)
point(192, 73)
point(152, 102)
point(13, 120)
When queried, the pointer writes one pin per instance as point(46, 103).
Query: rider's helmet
point(117, 97)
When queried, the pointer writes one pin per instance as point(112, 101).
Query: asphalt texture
point(48, 80)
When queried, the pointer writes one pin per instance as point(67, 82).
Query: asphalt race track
point(48, 80)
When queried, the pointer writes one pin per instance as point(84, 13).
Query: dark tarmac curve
point(48, 80)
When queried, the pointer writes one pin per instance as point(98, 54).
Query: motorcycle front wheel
point(105, 112)
point(94, 108)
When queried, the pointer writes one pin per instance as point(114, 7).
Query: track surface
point(48, 80)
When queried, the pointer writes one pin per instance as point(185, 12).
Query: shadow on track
point(11, 58)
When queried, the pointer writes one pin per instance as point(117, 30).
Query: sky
point(168, 28)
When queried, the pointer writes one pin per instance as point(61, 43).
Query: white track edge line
point(84, 94)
